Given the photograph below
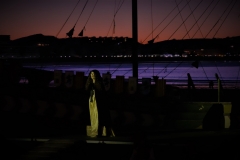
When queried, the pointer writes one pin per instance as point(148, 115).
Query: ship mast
point(134, 39)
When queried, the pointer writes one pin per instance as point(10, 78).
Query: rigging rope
point(170, 21)
point(182, 17)
point(114, 25)
point(117, 68)
point(218, 19)
point(81, 12)
point(114, 18)
point(90, 15)
point(70, 33)
point(199, 28)
point(185, 19)
point(152, 32)
point(162, 22)
point(127, 71)
point(198, 19)
point(206, 18)
point(173, 69)
point(225, 18)
point(113, 21)
point(67, 18)
point(165, 68)
point(183, 74)
point(152, 19)
point(144, 70)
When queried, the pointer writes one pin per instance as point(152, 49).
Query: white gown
point(92, 130)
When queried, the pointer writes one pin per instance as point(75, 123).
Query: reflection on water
point(175, 72)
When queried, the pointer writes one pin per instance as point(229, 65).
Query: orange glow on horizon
point(156, 21)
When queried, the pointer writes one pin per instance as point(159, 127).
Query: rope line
point(171, 20)
point(67, 19)
point(144, 70)
point(225, 19)
point(162, 22)
point(81, 12)
point(218, 20)
point(152, 18)
point(90, 14)
point(113, 21)
point(199, 28)
point(206, 18)
point(173, 69)
point(165, 68)
point(116, 10)
point(127, 71)
point(198, 19)
point(185, 19)
point(114, 17)
point(182, 18)
point(117, 68)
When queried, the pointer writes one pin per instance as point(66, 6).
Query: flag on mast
point(81, 33)
point(70, 33)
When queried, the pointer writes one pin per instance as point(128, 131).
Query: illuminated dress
point(100, 118)
point(92, 130)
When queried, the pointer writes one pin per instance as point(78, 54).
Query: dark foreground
point(181, 145)
point(40, 123)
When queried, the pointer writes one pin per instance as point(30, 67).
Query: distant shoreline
point(117, 60)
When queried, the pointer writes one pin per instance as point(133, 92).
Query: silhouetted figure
point(211, 84)
point(100, 118)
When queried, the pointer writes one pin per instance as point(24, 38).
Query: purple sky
point(156, 18)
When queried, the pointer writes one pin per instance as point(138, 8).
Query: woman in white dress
point(100, 119)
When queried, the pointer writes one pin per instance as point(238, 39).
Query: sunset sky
point(160, 19)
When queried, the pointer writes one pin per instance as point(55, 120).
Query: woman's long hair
point(98, 81)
